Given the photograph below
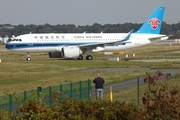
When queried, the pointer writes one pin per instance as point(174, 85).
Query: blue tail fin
point(154, 22)
point(6, 36)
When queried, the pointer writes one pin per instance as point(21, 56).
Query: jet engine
point(55, 55)
point(66, 52)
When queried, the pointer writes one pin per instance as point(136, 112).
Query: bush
point(159, 102)
point(73, 109)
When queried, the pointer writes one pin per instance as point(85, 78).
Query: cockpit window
point(16, 40)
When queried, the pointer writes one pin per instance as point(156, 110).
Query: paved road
point(113, 69)
point(133, 82)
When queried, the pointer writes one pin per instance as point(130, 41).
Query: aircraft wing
point(101, 44)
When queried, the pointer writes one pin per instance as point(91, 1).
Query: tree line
point(7, 29)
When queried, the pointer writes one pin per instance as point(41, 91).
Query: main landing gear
point(28, 57)
point(88, 57)
point(80, 57)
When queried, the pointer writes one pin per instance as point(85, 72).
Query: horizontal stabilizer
point(160, 38)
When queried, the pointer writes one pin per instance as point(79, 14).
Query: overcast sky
point(84, 12)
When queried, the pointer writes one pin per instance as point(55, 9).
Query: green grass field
point(17, 74)
point(131, 94)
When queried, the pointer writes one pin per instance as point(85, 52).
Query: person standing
point(99, 81)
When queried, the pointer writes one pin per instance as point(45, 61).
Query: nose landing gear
point(28, 57)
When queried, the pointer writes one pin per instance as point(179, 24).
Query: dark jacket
point(99, 82)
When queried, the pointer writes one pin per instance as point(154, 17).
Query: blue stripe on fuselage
point(21, 45)
point(18, 45)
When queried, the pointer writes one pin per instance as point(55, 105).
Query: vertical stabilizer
point(154, 22)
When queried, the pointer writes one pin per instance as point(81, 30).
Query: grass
point(131, 94)
point(17, 74)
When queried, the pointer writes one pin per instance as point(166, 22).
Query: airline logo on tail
point(154, 23)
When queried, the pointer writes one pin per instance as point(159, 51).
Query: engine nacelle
point(67, 52)
point(71, 52)
point(55, 55)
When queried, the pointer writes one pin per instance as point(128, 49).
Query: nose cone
point(7, 45)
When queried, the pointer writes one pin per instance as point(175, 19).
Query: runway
point(3, 49)
point(170, 42)
point(158, 60)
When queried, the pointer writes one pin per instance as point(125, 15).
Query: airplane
point(74, 45)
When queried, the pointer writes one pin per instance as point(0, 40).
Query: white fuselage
point(73, 45)
point(55, 42)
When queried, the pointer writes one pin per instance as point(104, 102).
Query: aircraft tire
point(80, 57)
point(28, 58)
point(89, 57)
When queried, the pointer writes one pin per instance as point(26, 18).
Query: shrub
point(159, 102)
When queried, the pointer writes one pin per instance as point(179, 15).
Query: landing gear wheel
point(89, 57)
point(28, 58)
point(80, 57)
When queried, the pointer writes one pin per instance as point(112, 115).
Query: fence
point(78, 90)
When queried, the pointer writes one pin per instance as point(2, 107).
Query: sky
point(84, 12)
